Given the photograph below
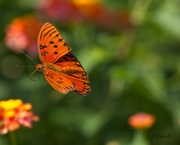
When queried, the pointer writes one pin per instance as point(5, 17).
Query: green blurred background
point(131, 52)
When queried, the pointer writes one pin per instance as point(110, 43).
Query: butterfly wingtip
point(84, 93)
point(47, 23)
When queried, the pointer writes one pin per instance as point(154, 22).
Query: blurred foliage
point(131, 69)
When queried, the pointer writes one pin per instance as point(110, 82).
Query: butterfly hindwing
point(76, 74)
point(51, 45)
point(81, 83)
point(58, 81)
point(70, 68)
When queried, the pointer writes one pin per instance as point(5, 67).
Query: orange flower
point(22, 34)
point(14, 113)
point(141, 120)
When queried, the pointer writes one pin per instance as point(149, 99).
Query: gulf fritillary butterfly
point(61, 69)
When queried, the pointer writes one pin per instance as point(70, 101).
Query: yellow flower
point(10, 104)
point(14, 113)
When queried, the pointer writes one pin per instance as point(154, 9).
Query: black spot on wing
point(51, 42)
point(57, 35)
point(56, 52)
point(42, 47)
point(60, 39)
point(66, 44)
point(55, 46)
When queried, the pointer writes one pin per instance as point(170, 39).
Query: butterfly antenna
point(27, 56)
point(32, 61)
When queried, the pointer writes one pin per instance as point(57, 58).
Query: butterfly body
point(61, 69)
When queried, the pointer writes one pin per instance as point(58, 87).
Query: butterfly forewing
point(51, 45)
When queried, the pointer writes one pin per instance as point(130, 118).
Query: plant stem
point(13, 138)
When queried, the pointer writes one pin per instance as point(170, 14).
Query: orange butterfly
point(61, 69)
